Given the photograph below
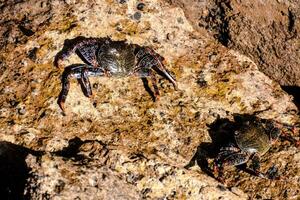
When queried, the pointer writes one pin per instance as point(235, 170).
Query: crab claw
point(170, 78)
point(173, 81)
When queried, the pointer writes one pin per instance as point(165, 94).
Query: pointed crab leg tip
point(262, 176)
point(62, 106)
point(156, 98)
point(170, 78)
point(176, 86)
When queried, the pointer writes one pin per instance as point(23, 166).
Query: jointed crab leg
point(234, 159)
point(85, 48)
point(80, 72)
point(149, 59)
point(160, 66)
point(85, 83)
point(256, 165)
point(228, 158)
point(168, 76)
point(162, 69)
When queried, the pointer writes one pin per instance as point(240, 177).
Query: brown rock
point(266, 31)
point(126, 146)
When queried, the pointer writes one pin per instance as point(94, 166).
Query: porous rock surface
point(121, 144)
point(266, 31)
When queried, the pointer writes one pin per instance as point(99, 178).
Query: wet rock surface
point(121, 144)
point(266, 31)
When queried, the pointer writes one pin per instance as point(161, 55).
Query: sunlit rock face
point(267, 31)
point(120, 144)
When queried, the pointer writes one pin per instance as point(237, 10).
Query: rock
point(121, 144)
point(267, 32)
point(115, 175)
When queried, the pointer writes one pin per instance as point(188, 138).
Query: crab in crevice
point(252, 138)
point(105, 57)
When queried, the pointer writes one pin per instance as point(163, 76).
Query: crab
point(252, 139)
point(105, 57)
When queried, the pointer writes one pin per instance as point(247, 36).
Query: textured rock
point(122, 139)
point(266, 31)
point(111, 174)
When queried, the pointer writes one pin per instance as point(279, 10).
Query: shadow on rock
point(73, 151)
point(221, 132)
point(13, 170)
point(294, 91)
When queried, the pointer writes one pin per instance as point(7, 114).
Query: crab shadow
point(221, 133)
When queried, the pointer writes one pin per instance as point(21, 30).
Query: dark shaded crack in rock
point(26, 31)
point(292, 19)
point(224, 34)
point(294, 91)
point(218, 21)
point(14, 170)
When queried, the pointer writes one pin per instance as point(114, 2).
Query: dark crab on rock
point(252, 139)
point(105, 57)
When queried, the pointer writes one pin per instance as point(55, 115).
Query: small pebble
point(221, 187)
point(13, 103)
point(137, 16)
point(21, 111)
point(155, 40)
point(95, 86)
point(140, 6)
point(32, 53)
point(170, 36)
point(93, 181)
point(180, 20)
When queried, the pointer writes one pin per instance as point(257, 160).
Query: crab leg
point(256, 165)
point(147, 58)
point(86, 47)
point(85, 83)
point(80, 72)
point(233, 159)
point(159, 65)
point(170, 78)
